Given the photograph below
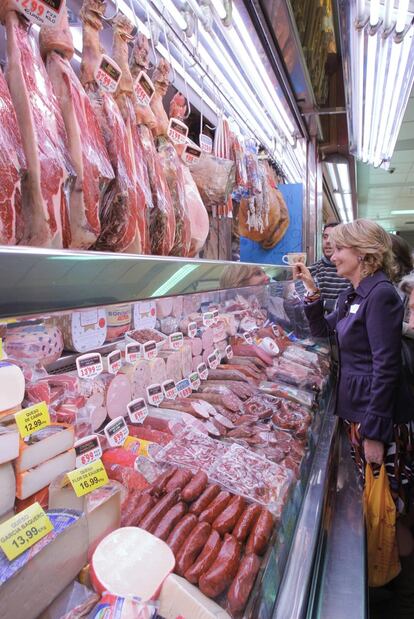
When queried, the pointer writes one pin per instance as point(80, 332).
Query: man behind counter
point(324, 272)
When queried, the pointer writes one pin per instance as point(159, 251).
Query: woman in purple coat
point(367, 326)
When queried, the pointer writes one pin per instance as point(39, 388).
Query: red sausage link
point(145, 503)
point(246, 521)
point(179, 480)
point(223, 570)
point(261, 532)
point(206, 558)
point(152, 518)
point(192, 547)
point(216, 507)
point(243, 583)
point(168, 522)
point(180, 532)
point(195, 487)
point(205, 499)
point(225, 522)
point(159, 484)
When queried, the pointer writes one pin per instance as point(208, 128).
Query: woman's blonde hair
point(370, 240)
point(238, 274)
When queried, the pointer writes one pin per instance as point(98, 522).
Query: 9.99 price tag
point(184, 388)
point(40, 12)
point(212, 361)
point(150, 350)
point(87, 449)
point(137, 410)
point(202, 371)
point(132, 353)
point(192, 329)
point(114, 361)
point(89, 365)
point(88, 478)
point(23, 530)
point(195, 381)
point(144, 89)
point(176, 340)
point(32, 419)
point(170, 390)
point(155, 394)
point(208, 319)
point(116, 432)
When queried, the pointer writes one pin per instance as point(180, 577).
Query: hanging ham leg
point(86, 145)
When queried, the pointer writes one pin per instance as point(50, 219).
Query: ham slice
point(85, 140)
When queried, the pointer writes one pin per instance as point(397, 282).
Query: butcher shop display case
point(208, 406)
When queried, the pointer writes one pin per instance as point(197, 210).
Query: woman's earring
point(360, 258)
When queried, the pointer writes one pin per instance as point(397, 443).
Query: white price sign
point(137, 410)
point(195, 381)
point(41, 12)
point(184, 388)
point(132, 352)
point(170, 390)
point(89, 365)
point(116, 432)
point(218, 354)
point(215, 316)
point(177, 131)
point(155, 394)
point(208, 319)
point(114, 361)
point(202, 371)
point(107, 74)
point(229, 352)
point(248, 338)
point(150, 349)
point(87, 449)
point(192, 329)
point(206, 144)
point(144, 88)
point(176, 340)
point(212, 361)
point(191, 154)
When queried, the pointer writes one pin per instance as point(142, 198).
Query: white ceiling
point(380, 191)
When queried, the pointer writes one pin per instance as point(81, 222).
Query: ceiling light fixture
point(340, 185)
point(402, 212)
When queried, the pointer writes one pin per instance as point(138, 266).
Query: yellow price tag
point(32, 419)
point(88, 478)
point(23, 530)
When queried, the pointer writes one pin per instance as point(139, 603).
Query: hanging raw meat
point(171, 162)
point(12, 169)
point(119, 204)
point(198, 216)
point(49, 169)
point(162, 220)
point(86, 145)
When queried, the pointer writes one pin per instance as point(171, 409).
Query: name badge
point(353, 309)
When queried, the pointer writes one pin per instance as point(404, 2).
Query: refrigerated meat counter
point(182, 355)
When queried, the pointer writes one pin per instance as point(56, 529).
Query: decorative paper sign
point(88, 478)
point(23, 530)
point(32, 419)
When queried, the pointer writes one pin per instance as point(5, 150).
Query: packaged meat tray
point(192, 449)
point(146, 335)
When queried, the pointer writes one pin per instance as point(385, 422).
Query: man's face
point(326, 243)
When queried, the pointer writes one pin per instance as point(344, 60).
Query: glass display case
point(204, 366)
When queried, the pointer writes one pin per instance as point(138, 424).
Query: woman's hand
point(301, 271)
point(374, 451)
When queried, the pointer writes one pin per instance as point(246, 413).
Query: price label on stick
point(202, 371)
point(23, 530)
point(150, 349)
point(229, 352)
point(144, 88)
point(212, 361)
point(195, 381)
point(192, 329)
point(89, 365)
point(170, 390)
point(108, 74)
point(176, 340)
point(88, 478)
point(215, 316)
point(184, 388)
point(208, 319)
point(155, 394)
point(248, 338)
point(218, 355)
point(32, 419)
point(191, 154)
point(132, 353)
point(40, 12)
point(114, 361)
point(87, 449)
point(116, 432)
point(137, 410)
point(206, 144)
point(177, 131)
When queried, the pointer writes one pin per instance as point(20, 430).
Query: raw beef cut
point(119, 205)
point(49, 169)
point(12, 168)
point(162, 219)
point(86, 145)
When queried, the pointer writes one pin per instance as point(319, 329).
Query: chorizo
point(192, 547)
point(226, 521)
point(243, 583)
point(159, 484)
point(195, 487)
point(180, 479)
point(152, 518)
point(205, 559)
point(168, 522)
point(223, 570)
point(180, 532)
point(144, 504)
point(216, 507)
point(261, 532)
point(246, 521)
point(205, 499)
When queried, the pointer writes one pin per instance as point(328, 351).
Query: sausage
point(246, 521)
point(144, 504)
point(168, 522)
point(205, 499)
point(192, 547)
point(195, 487)
point(224, 569)
point(261, 532)
point(226, 521)
point(243, 583)
point(179, 480)
point(205, 559)
point(159, 484)
point(180, 532)
point(152, 518)
point(216, 507)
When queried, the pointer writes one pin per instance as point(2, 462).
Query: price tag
point(144, 88)
point(88, 478)
point(176, 340)
point(248, 338)
point(89, 365)
point(195, 381)
point(215, 316)
point(206, 143)
point(218, 354)
point(32, 419)
point(229, 352)
point(150, 350)
point(114, 361)
point(208, 319)
point(191, 154)
point(184, 388)
point(1, 349)
point(212, 361)
point(155, 395)
point(202, 371)
point(137, 410)
point(40, 12)
point(132, 353)
point(192, 329)
point(108, 74)
point(276, 331)
point(23, 530)
point(177, 131)
point(116, 432)
point(170, 390)
point(88, 449)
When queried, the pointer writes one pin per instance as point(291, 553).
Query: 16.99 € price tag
point(32, 419)
point(88, 478)
point(23, 530)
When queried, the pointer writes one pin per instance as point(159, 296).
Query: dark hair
point(332, 225)
point(403, 257)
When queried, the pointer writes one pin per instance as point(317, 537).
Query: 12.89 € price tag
point(88, 478)
point(41, 12)
point(23, 530)
point(32, 419)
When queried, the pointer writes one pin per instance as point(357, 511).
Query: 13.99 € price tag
point(23, 530)
point(89, 365)
point(41, 12)
point(88, 478)
point(32, 419)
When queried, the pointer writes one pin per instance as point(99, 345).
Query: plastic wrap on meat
point(215, 179)
point(191, 449)
point(288, 392)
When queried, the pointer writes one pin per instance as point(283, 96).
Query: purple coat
point(367, 324)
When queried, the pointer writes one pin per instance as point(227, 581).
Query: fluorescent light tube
point(406, 212)
point(402, 15)
point(344, 180)
point(172, 281)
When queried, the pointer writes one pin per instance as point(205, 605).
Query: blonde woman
point(239, 275)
